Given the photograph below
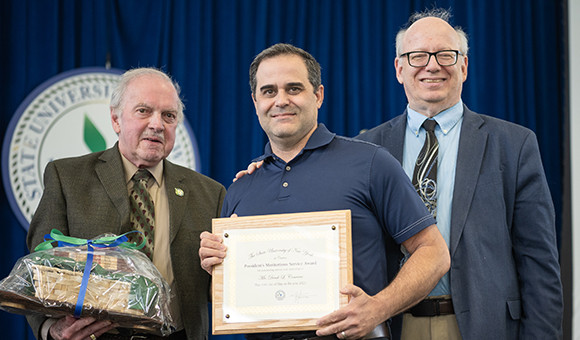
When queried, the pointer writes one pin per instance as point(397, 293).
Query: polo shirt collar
point(321, 137)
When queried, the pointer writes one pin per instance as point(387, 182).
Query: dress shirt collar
point(446, 119)
point(320, 137)
point(130, 170)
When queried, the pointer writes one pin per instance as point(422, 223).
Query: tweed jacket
point(87, 196)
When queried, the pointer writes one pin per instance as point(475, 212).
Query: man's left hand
point(358, 318)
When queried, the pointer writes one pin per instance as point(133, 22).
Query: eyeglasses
point(422, 58)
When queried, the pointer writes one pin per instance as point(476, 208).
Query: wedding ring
point(343, 335)
point(93, 337)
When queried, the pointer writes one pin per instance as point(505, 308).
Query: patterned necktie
point(425, 173)
point(142, 210)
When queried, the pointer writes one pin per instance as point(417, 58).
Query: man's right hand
point(211, 251)
point(251, 168)
point(70, 328)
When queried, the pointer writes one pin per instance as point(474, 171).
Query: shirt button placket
point(284, 193)
point(285, 184)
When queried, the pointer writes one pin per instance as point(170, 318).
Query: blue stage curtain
point(515, 69)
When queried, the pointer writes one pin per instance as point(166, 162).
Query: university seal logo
point(66, 116)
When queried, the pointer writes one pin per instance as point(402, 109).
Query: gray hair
point(118, 96)
point(440, 13)
point(312, 66)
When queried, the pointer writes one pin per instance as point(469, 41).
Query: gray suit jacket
point(97, 180)
point(505, 276)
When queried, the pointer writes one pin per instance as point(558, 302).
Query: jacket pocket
point(515, 309)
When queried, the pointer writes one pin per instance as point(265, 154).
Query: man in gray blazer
point(89, 195)
point(493, 203)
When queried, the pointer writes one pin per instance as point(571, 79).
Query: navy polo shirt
point(336, 173)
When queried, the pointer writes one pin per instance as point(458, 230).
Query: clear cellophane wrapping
point(124, 286)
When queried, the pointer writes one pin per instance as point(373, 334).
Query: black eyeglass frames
point(422, 58)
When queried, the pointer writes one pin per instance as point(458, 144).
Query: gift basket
point(105, 278)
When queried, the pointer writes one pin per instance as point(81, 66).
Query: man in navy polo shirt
point(307, 168)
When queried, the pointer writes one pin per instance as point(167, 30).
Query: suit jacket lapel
point(472, 143)
point(174, 179)
point(111, 174)
point(393, 136)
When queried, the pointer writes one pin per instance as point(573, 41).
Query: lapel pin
point(179, 192)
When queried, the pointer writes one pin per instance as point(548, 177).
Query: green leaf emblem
point(93, 138)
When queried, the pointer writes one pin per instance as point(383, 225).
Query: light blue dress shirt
point(447, 132)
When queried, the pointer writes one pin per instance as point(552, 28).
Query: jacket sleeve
point(51, 213)
point(535, 250)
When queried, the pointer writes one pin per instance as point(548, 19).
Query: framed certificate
point(281, 272)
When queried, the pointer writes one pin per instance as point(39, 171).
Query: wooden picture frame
point(305, 259)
